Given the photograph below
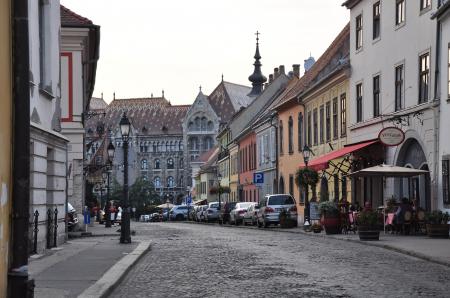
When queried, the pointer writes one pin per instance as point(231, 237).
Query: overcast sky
point(177, 45)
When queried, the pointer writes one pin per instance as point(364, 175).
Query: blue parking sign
point(258, 178)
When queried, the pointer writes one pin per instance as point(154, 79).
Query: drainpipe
point(18, 283)
point(276, 150)
point(436, 114)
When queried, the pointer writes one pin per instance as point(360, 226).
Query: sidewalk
point(85, 267)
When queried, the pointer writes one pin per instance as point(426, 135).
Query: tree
point(143, 196)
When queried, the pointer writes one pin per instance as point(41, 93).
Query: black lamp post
point(108, 172)
point(125, 236)
point(306, 153)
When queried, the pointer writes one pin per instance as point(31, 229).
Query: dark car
point(224, 216)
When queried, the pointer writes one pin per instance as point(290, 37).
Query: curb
point(368, 243)
point(90, 235)
point(107, 283)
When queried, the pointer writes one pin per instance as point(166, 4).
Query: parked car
point(212, 212)
point(224, 214)
point(201, 212)
point(144, 218)
point(271, 206)
point(179, 212)
point(155, 217)
point(250, 215)
point(71, 218)
point(237, 214)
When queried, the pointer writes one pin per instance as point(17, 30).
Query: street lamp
point(125, 236)
point(219, 178)
point(110, 150)
point(306, 153)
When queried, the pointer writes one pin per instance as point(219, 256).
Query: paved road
point(194, 260)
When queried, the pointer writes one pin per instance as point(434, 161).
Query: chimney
point(296, 70)
point(275, 73)
point(282, 70)
point(270, 78)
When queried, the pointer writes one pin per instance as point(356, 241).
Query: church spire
point(257, 78)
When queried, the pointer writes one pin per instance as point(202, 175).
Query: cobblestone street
point(194, 260)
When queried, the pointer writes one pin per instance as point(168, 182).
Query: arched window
point(181, 181)
point(170, 163)
point(181, 163)
point(281, 187)
point(203, 123)
point(300, 132)
point(210, 125)
point(144, 164)
point(170, 181)
point(157, 164)
point(180, 146)
point(167, 146)
point(191, 126)
point(291, 135)
point(157, 181)
point(197, 123)
point(207, 143)
point(281, 137)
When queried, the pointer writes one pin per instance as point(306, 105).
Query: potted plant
point(437, 224)
point(329, 217)
point(367, 224)
point(316, 227)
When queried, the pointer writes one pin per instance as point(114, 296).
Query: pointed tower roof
point(257, 78)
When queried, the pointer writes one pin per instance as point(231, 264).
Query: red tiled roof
point(305, 81)
point(70, 18)
point(150, 116)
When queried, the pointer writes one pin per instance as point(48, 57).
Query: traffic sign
point(258, 178)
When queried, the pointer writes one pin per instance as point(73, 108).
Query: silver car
point(237, 214)
point(201, 213)
point(251, 214)
point(271, 206)
point(212, 212)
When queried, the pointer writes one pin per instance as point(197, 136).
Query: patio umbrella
point(165, 205)
point(387, 171)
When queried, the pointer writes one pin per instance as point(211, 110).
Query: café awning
point(384, 170)
point(321, 163)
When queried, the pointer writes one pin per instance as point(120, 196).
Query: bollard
point(49, 228)
point(55, 227)
point(35, 231)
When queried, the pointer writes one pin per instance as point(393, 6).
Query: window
point(400, 12)
point(170, 163)
point(424, 77)
point(343, 114)
point(398, 87)
point(291, 135)
point(321, 136)
point(44, 43)
point(376, 20)
point(315, 128)
point(376, 96)
point(328, 121)
point(281, 137)
point(291, 185)
point(359, 95)
point(157, 181)
point(300, 132)
point(309, 129)
point(445, 181)
point(181, 163)
point(425, 4)
point(335, 118)
point(157, 164)
point(144, 164)
point(359, 32)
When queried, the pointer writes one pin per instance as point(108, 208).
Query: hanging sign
point(391, 136)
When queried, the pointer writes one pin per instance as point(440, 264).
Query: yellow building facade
point(5, 140)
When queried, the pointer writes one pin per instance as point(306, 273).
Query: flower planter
point(438, 230)
point(331, 224)
point(368, 233)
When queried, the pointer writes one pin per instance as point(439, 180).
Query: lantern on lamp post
point(110, 150)
point(125, 235)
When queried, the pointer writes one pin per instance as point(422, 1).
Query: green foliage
point(219, 190)
point(306, 176)
point(437, 217)
point(328, 208)
point(116, 192)
point(368, 218)
point(142, 194)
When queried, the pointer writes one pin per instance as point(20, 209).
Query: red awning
point(321, 162)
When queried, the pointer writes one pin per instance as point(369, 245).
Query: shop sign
point(391, 136)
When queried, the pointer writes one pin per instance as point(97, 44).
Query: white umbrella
point(165, 205)
point(388, 171)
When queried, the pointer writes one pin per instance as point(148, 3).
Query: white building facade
point(48, 146)
point(392, 54)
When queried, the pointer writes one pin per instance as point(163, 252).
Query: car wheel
point(179, 217)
